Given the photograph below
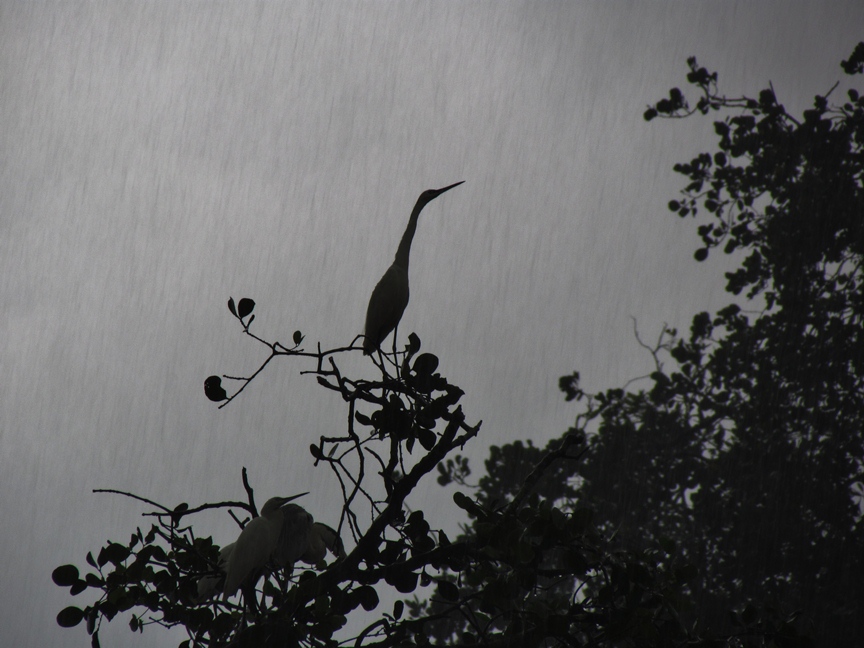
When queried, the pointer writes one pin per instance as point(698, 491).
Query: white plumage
point(282, 534)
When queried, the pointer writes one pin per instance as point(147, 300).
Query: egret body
point(390, 296)
point(254, 547)
point(210, 584)
point(283, 533)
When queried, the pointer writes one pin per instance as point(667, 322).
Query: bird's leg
point(395, 362)
point(250, 600)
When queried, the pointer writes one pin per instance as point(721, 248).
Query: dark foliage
point(745, 455)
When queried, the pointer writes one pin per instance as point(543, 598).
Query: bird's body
point(293, 536)
point(321, 540)
point(390, 296)
point(282, 534)
point(254, 547)
point(210, 584)
point(386, 306)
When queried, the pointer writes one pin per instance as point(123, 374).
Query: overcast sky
point(159, 157)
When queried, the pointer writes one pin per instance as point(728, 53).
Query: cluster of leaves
point(747, 454)
point(536, 571)
point(767, 408)
point(156, 574)
point(403, 424)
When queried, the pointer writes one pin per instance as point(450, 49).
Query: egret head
point(431, 194)
point(275, 503)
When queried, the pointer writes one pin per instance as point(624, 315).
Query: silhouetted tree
point(742, 454)
point(527, 556)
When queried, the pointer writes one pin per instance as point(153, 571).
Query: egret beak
point(438, 192)
point(284, 500)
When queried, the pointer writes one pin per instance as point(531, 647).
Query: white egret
point(390, 296)
point(283, 533)
point(210, 584)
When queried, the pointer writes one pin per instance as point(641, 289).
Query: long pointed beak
point(285, 500)
point(438, 192)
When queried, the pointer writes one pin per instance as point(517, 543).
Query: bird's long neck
point(404, 249)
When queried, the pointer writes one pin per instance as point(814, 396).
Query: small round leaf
point(78, 587)
point(245, 307)
point(70, 617)
point(213, 389)
point(448, 591)
point(425, 364)
point(368, 597)
point(65, 575)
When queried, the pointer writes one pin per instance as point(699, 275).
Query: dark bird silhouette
point(283, 534)
point(390, 296)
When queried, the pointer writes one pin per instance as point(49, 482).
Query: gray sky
point(162, 156)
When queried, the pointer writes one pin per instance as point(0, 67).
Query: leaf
point(213, 389)
point(448, 591)
point(701, 254)
point(368, 597)
point(316, 452)
point(427, 438)
point(92, 580)
point(70, 617)
point(78, 587)
point(413, 344)
point(362, 419)
point(65, 575)
point(298, 337)
point(467, 504)
point(425, 364)
point(398, 608)
point(245, 307)
point(403, 580)
point(114, 553)
point(90, 560)
point(231, 306)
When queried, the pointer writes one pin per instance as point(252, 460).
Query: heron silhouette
point(283, 533)
point(390, 297)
